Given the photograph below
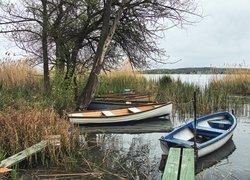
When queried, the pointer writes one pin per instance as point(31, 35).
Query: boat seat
point(220, 124)
point(107, 113)
point(134, 110)
point(185, 134)
point(206, 131)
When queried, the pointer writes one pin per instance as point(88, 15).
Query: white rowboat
point(130, 114)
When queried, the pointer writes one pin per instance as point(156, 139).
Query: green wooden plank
point(187, 164)
point(23, 154)
point(172, 165)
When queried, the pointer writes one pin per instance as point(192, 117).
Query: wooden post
point(195, 145)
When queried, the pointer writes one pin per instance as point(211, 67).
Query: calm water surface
point(199, 79)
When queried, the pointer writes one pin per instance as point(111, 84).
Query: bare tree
point(45, 45)
point(106, 37)
point(93, 35)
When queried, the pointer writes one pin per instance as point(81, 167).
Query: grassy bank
point(28, 116)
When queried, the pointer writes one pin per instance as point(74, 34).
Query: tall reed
point(235, 82)
point(213, 97)
point(22, 126)
point(16, 74)
point(18, 81)
point(27, 116)
point(118, 81)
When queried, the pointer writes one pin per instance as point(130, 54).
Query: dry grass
point(234, 81)
point(22, 126)
point(16, 73)
point(27, 116)
point(238, 75)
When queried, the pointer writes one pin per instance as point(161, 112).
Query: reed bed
point(25, 126)
point(235, 82)
point(16, 74)
point(115, 82)
point(18, 81)
point(213, 97)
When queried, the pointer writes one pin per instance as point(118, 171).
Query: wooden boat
point(124, 97)
point(98, 105)
point(213, 131)
point(123, 115)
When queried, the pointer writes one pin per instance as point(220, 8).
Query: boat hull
point(98, 105)
point(134, 117)
point(125, 97)
point(201, 152)
point(208, 149)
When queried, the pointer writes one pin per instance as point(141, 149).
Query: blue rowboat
point(124, 97)
point(95, 105)
point(212, 132)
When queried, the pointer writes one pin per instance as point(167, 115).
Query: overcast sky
point(221, 38)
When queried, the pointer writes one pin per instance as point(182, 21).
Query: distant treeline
point(198, 70)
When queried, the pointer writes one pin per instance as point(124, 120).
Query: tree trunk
point(45, 47)
point(107, 33)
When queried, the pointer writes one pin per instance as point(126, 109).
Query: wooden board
point(172, 166)
point(12, 160)
point(187, 164)
point(180, 165)
point(23, 154)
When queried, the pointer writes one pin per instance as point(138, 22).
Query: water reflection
point(125, 155)
point(160, 124)
point(215, 157)
point(213, 165)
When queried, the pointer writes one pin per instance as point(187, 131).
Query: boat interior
point(116, 112)
point(205, 130)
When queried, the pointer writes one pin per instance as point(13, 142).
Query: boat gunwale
point(130, 103)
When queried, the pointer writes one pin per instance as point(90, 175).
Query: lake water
point(133, 152)
point(198, 79)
